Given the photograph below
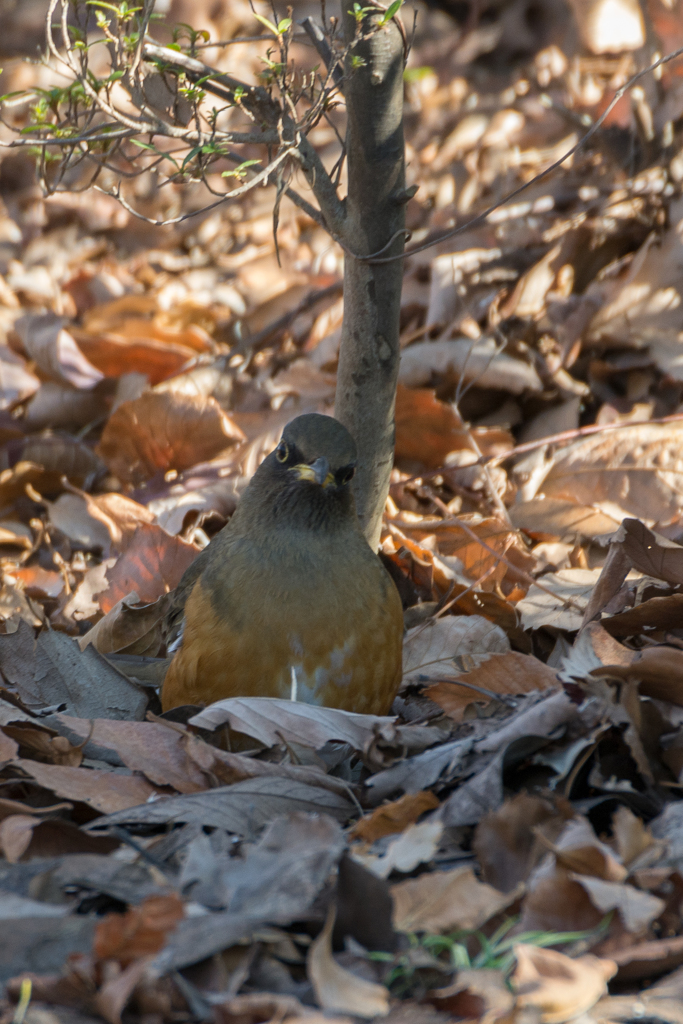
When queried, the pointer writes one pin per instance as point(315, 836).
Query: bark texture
point(375, 212)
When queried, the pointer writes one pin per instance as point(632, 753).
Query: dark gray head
point(313, 437)
point(305, 481)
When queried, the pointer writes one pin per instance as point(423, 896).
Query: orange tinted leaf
point(151, 566)
point(114, 355)
point(509, 673)
point(395, 816)
point(427, 429)
point(141, 931)
point(165, 430)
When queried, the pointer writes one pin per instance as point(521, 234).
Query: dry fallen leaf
point(561, 988)
point(337, 989)
point(139, 932)
point(152, 566)
point(394, 817)
point(54, 350)
point(417, 845)
point(509, 673)
point(446, 900)
point(271, 720)
point(430, 650)
point(635, 471)
point(163, 431)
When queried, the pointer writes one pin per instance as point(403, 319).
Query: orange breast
point(341, 638)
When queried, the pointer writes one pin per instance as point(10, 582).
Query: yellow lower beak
point(317, 472)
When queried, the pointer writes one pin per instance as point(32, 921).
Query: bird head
point(306, 479)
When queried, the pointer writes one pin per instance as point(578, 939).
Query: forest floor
point(508, 844)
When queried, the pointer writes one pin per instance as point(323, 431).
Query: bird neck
point(264, 510)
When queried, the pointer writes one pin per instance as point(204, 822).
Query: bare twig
point(317, 37)
point(451, 520)
point(574, 435)
point(255, 341)
point(377, 257)
point(252, 97)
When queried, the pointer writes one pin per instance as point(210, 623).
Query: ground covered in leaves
point(510, 841)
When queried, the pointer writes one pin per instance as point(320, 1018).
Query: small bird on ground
point(289, 600)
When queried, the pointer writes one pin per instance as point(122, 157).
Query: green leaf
point(392, 10)
point(190, 156)
point(100, 3)
point(240, 171)
point(268, 24)
point(283, 26)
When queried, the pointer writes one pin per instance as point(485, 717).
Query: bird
point(289, 600)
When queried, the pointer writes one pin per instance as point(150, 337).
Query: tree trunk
point(369, 355)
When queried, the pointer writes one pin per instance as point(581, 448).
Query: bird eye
point(346, 474)
point(282, 452)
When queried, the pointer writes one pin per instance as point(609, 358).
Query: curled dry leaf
point(561, 988)
point(417, 845)
point(54, 350)
point(104, 521)
point(161, 431)
point(631, 837)
point(579, 850)
point(17, 383)
point(445, 900)
point(509, 673)
point(153, 748)
point(106, 792)
point(242, 808)
point(557, 517)
point(130, 627)
point(271, 720)
point(637, 909)
point(114, 355)
point(394, 817)
point(651, 554)
point(337, 989)
point(565, 605)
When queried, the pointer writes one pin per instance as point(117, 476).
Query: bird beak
point(317, 472)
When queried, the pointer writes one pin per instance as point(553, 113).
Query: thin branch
point(332, 207)
point(494, 496)
point(377, 257)
point(575, 435)
point(317, 37)
point(251, 96)
point(265, 37)
point(256, 341)
point(124, 133)
point(258, 179)
point(451, 520)
point(305, 206)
